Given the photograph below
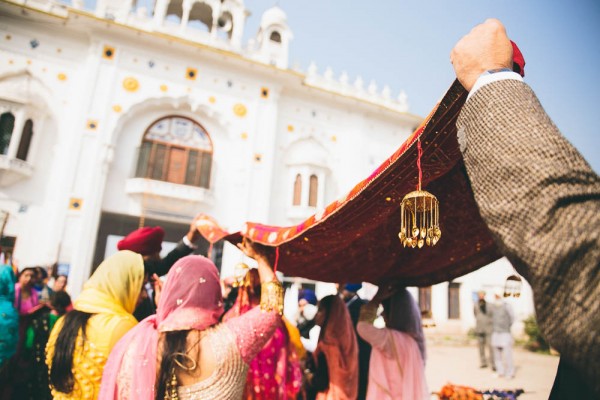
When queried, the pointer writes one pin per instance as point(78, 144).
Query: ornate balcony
point(13, 170)
point(168, 198)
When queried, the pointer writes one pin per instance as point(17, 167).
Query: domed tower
point(274, 37)
point(217, 16)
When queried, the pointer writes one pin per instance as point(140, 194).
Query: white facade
point(93, 82)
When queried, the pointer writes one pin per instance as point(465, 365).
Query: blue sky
point(406, 44)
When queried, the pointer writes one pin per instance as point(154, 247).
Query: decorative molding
point(75, 203)
point(91, 124)
point(240, 110)
point(191, 73)
point(131, 84)
point(108, 52)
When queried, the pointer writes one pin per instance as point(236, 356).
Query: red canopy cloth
point(356, 237)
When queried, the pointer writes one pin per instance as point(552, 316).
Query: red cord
point(420, 153)
point(276, 259)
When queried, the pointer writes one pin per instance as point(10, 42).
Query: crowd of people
point(29, 309)
point(205, 336)
point(183, 345)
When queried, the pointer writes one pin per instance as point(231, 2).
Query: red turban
point(144, 241)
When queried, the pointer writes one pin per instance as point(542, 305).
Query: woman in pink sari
point(397, 367)
point(336, 355)
point(183, 352)
point(275, 371)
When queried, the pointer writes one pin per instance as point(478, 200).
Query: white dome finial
point(344, 78)
point(372, 87)
point(358, 83)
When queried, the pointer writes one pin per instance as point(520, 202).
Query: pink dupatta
point(338, 343)
point(190, 299)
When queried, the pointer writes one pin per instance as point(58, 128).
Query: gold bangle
point(271, 297)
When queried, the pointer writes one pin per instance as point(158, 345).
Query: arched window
point(178, 150)
point(7, 124)
point(275, 37)
point(201, 17)
point(313, 194)
point(174, 12)
point(26, 137)
point(297, 191)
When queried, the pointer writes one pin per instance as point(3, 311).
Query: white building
point(115, 117)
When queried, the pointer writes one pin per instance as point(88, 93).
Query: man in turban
point(307, 308)
point(147, 241)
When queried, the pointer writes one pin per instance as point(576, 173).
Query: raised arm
point(254, 328)
point(376, 337)
point(537, 195)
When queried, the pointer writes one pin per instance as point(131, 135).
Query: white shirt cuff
point(189, 244)
point(485, 79)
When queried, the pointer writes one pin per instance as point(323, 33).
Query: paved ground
point(460, 365)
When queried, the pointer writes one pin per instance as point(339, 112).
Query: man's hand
point(256, 251)
point(486, 47)
point(157, 284)
point(193, 233)
point(385, 291)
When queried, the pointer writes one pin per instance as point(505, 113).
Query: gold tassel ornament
point(419, 215)
point(419, 222)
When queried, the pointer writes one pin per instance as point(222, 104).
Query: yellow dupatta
point(115, 285)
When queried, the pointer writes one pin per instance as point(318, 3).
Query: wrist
point(189, 243)
point(271, 297)
point(193, 235)
point(491, 76)
point(495, 70)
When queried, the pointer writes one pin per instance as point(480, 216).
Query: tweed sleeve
point(541, 201)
